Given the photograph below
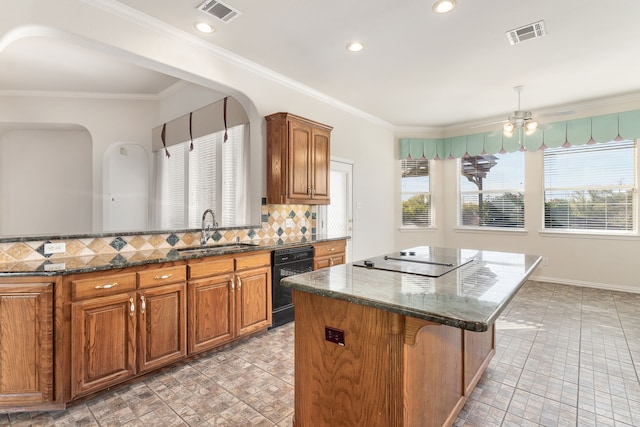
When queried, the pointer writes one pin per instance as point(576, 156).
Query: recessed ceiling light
point(355, 47)
point(204, 27)
point(444, 6)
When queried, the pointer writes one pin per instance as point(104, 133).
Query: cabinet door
point(253, 300)
point(299, 174)
point(103, 349)
point(320, 169)
point(26, 347)
point(162, 331)
point(211, 314)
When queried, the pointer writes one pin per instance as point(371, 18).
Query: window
point(416, 195)
point(590, 187)
point(491, 191)
point(212, 176)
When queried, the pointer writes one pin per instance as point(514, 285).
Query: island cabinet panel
point(340, 385)
point(26, 345)
point(433, 381)
point(479, 347)
point(103, 342)
point(391, 370)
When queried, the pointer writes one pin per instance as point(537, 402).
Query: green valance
point(605, 128)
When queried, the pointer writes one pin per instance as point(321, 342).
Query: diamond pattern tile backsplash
point(274, 226)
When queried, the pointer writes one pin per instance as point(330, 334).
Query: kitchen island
point(398, 340)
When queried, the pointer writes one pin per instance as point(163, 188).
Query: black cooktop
point(422, 260)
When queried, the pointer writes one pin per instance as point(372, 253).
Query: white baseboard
point(606, 286)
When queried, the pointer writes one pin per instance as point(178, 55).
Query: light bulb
point(204, 27)
point(530, 127)
point(355, 46)
point(444, 6)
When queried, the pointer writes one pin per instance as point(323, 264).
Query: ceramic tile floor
point(566, 356)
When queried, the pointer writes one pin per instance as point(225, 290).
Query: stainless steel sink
point(215, 248)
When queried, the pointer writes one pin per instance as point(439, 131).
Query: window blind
point(202, 177)
point(591, 187)
point(213, 175)
point(174, 194)
point(416, 193)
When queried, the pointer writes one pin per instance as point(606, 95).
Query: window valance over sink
point(605, 128)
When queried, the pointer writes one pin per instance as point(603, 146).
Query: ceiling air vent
point(528, 32)
point(220, 10)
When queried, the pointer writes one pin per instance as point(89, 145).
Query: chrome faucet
point(207, 228)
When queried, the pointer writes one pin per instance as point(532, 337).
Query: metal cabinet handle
point(332, 249)
point(166, 276)
point(106, 286)
point(331, 261)
point(239, 283)
point(233, 285)
point(132, 307)
point(143, 304)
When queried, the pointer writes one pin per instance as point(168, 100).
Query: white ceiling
point(418, 69)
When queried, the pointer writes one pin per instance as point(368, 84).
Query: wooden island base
point(392, 370)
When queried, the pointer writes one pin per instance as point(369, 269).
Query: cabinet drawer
point(161, 276)
point(103, 285)
point(252, 261)
point(329, 248)
point(213, 267)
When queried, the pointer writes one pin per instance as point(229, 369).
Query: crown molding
point(150, 22)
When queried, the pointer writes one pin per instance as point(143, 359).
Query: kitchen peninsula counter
point(57, 266)
point(387, 348)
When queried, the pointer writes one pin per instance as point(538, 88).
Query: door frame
point(346, 166)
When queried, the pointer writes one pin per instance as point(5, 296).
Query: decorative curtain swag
point(590, 130)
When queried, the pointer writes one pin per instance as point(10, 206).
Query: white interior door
point(336, 219)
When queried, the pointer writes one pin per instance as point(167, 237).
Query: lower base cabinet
point(328, 254)
point(116, 337)
point(26, 343)
point(228, 298)
point(67, 337)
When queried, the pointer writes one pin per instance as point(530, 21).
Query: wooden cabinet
point(400, 370)
point(126, 324)
point(210, 304)
point(298, 156)
point(26, 343)
point(228, 298)
point(253, 293)
point(68, 337)
point(328, 254)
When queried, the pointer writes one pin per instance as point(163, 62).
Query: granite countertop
point(103, 262)
point(470, 297)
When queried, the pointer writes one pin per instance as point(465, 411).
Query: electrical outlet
point(334, 335)
point(58, 266)
point(545, 262)
point(288, 222)
point(55, 248)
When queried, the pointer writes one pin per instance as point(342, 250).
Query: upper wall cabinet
point(297, 160)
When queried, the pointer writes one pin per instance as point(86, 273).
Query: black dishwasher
point(285, 263)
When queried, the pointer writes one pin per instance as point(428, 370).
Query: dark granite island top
point(469, 297)
point(398, 340)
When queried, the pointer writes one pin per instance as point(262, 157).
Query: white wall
point(38, 194)
point(368, 142)
point(590, 260)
